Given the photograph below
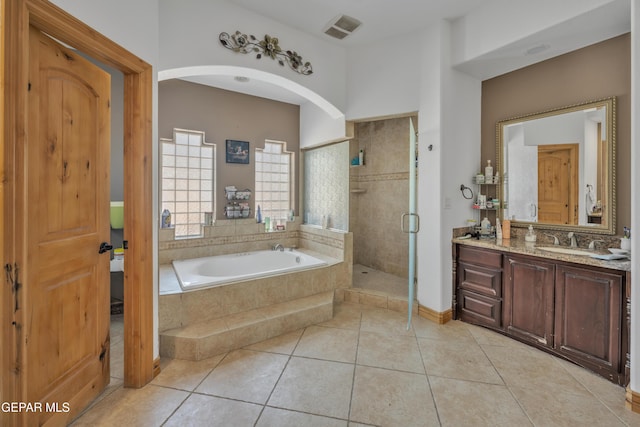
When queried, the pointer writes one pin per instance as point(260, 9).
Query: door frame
point(16, 17)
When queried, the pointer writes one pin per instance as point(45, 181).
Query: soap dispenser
point(531, 235)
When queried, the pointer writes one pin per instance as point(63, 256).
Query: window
point(274, 171)
point(326, 186)
point(187, 181)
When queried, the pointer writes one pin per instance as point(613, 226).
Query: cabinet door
point(529, 299)
point(589, 318)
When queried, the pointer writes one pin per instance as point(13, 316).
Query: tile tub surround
point(204, 322)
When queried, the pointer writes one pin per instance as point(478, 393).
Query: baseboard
point(435, 316)
point(156, 367)
point(632, 401)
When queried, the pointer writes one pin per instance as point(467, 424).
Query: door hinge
point(29, 87)
point(125, 244)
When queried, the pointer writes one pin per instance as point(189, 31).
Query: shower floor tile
point(374, 280)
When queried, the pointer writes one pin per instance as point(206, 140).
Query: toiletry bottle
point(531, 235)
point(488, 173)
point(361, 157)
point(498, 229)
point(496, 178)
point(267, 225)
point(506, 229)
point(166, 219)
point(485, 226)
point(259, 215)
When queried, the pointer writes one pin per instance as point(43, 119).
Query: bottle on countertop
point(498, 229)
point(361, 157)
point(531, 235)
point(506, 229)
point(485, 226)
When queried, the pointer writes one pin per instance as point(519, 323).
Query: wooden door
point(65, 336)
point(558, 184)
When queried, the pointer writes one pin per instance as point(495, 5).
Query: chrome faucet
point(278, 246)
point(572, 239)
point(592, 245)
point(555, 238)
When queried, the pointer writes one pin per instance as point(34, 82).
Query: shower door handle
point(406, 214)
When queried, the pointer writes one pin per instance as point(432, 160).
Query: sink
point(564, 250)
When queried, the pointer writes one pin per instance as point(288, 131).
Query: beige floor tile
point(458, 360)
point(334, 344)
point(385, 322)
point(272, 417)
point(185, 374)
point(453, 330)
point(304, 380)
point(245, 375)
point(486, 336)
point(564, 409)
point(390, 351)
point(462, 403)
point(282, 344)
point(345, 316)
point(391, 398)
point(199, 410)
point(532, 369)
point(148, 406)
point(368, 278)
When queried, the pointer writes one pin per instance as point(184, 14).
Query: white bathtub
point(222, 269)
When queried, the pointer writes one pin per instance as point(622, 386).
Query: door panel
point(557, 184)
point(66, 298)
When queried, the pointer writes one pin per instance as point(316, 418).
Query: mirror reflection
point(558, 167)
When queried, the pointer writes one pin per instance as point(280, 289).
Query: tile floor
point(364, 368)
point(375, 280)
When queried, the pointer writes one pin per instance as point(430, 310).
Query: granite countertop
point(519, 246)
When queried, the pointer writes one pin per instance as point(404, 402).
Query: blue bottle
point(258, 216)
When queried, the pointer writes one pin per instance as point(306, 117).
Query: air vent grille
point(341, 26)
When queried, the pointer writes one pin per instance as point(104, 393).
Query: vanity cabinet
point(529, 299)
point(479, 277)
point(575, 311)
point(589, 318)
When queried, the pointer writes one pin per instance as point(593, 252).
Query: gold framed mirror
point(558, 168)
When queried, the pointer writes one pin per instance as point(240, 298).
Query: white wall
point(635, 197)
point(189, 37)
point(383, 78)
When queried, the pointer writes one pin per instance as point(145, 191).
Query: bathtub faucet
point(278, 246)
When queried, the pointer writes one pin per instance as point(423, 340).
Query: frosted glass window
point(326, 186)
point(274, 185)
point(187, 181)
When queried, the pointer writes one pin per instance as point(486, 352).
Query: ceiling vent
point(341, 26)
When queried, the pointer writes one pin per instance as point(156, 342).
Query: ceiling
point(382, 19)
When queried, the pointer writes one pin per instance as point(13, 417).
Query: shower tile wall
point(375, 216)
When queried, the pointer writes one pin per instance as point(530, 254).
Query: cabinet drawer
point(480, 256)
point(483, 280)
point(479, 309)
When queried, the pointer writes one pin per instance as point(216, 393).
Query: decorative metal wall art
point(268, 46)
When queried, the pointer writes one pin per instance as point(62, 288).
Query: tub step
point(202, 340)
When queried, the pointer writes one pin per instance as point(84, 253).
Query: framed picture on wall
point(237, 151)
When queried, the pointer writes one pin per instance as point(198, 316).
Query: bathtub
point(222, 269)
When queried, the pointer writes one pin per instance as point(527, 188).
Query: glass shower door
point(413, 218)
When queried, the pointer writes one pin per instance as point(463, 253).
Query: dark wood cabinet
point(579, 312)
point(589, 319)
point(479, 280)
point(529, 299)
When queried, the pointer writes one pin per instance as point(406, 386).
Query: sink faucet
point(278, 246)
point(592, 245)
point(555, 238)
point(572, 239)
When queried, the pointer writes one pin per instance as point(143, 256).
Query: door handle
point(104, 247)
